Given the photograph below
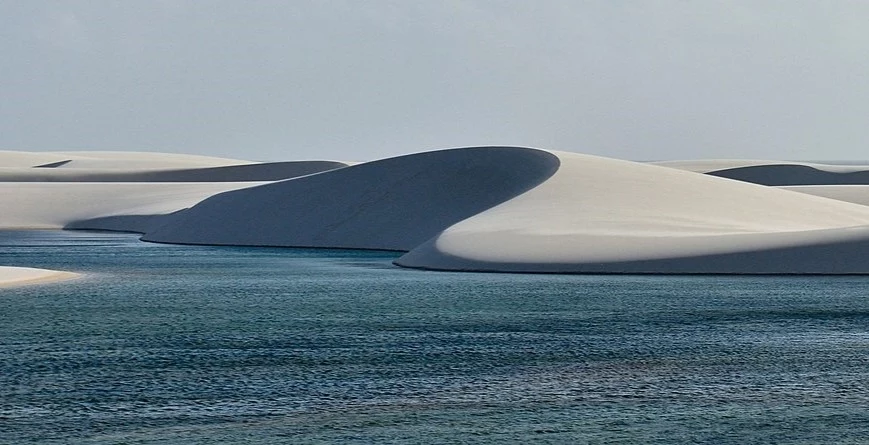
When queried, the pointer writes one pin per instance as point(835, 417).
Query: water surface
point(186, 344)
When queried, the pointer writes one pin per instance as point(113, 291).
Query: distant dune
point(54, 205)
point(796, 175)
point(122, 191)
point(777, 173)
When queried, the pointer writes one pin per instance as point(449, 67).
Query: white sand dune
point(501, 209)
point(857, 194)
point(21, 276)
point(123, 191)
point(54, 205)
point(777, 173)
point(393, 204)
point(598, 215)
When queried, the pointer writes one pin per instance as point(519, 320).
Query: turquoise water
point(182, 344)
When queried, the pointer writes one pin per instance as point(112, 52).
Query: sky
point(362, 80)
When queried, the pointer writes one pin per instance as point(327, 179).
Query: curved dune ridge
point(598, 215)
point(391, 204)
point(21, 276)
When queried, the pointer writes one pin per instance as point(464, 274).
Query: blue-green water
point(180, 344)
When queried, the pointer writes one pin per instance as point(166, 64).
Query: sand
point(55, 205)
point(22, 276)
point(857, 194)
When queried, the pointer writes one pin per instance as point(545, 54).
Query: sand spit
point(598, 215)
point(22, 276)
point(392, 204)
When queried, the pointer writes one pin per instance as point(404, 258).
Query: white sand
point(21, 276)
point(394, 203)
point(123, 191)
point(604, 215)
point(54, 205)
point(858, 194)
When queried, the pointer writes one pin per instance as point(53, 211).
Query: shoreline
point(26, 276)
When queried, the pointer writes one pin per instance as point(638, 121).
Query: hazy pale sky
point(358, 80)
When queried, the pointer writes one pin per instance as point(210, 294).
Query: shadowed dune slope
point(393, 204)
point(598, 215)
point(270, 171)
